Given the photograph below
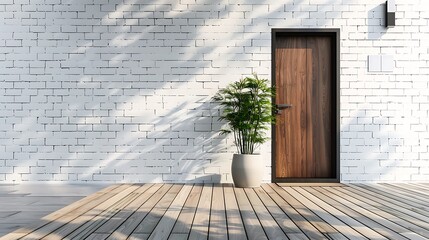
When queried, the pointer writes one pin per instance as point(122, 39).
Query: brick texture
point(119, 90)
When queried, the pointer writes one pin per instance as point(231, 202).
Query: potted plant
point(247, 108)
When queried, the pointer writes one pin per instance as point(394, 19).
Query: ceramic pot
point(247, 170)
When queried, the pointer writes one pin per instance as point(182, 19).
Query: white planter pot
point(247, 170)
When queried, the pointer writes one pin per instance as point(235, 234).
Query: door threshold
point(311, 185)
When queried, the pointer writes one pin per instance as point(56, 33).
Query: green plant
point(247, 109)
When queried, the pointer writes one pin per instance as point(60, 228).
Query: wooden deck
point(177, 211)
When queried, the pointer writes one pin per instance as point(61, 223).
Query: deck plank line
point(334, 221)
point(97, 236)
point(270, 226)
point(113, 223)
point(387, 220)
point(311, 184)
point(314, 219)
point(297, 236)
point(152, 219)
point(282, 219)
point(98, 220)
point(411, 190)
point(235, 225)
point(218, 223)
point(186, 216)
point(422, 185)
point(138, 236)
point(354, 211)
point(200, 225)
point(390, 205)
point(349, 221)
point(407, 198)
point(369, 204)
point(252, 225)
point(220, 211)
point(408, 192)
point(305, 226)
point(127, 227)
point(166, 224)
point(94, 219)
point(177, 236)
point(21, 232)
point(97, 204)
point(392, 198)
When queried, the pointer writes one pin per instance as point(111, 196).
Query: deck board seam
point(22, 232)
point(392, 216)
point(109, 211)
point(225, 212)
point(171, 232)
point(114, 194)
point(166, 209)
point(323, 215)
point(284, 231)
point(137, 207)
point(344, 219)
point(394, 203)
point(303, 208)
point(407, 199)
point(221, 211)
point(413, 190)
point(347, 206)
point(132, 231)
point(308, 234)
point(194, 212)
point(353, 201)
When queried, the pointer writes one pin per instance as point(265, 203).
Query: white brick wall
point(119, 90)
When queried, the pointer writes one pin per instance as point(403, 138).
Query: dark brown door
point(304, 132)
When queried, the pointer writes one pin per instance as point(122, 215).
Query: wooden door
point(305, 132)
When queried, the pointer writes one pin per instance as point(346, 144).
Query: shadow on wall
point(121, 92)
point(376, 144)
point(180, 145)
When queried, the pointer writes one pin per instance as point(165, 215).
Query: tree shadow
point(119, 91)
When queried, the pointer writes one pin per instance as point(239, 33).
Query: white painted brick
point(145, 178)
point(37, 177)
point(125, 89)
point(108, 177)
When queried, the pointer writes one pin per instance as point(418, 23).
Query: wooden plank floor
point(219, 211)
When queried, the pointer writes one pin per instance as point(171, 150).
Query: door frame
point(334, 34)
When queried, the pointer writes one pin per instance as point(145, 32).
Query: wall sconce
point(390, 13)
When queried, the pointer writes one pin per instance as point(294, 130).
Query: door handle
point(280, 107)
point(283, 106)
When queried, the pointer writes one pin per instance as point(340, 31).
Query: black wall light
point(390, 13)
